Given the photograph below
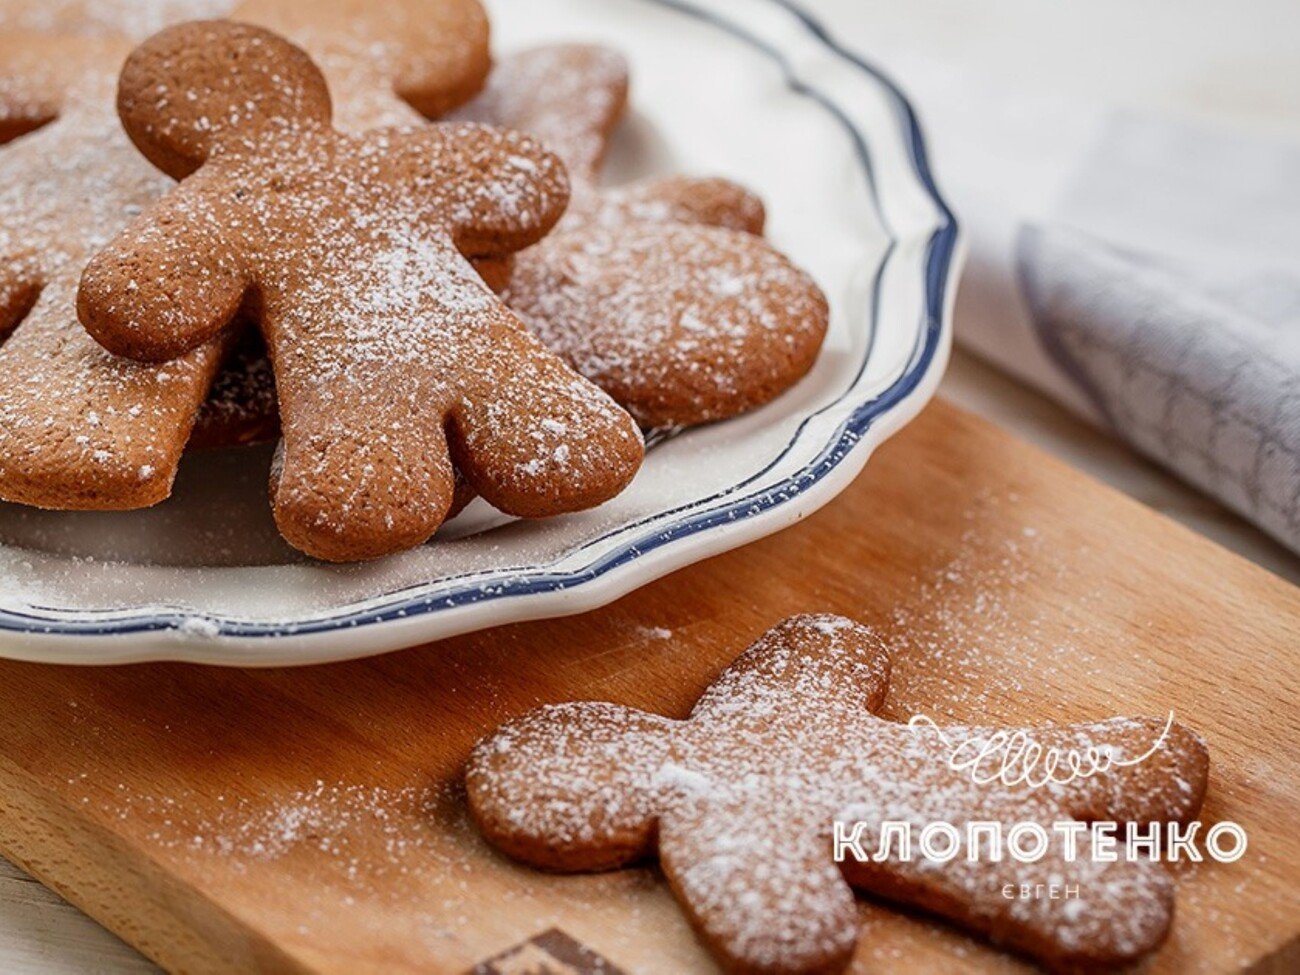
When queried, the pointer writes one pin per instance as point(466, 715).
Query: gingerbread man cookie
point(661, 293)
point(738, 801)
point(386, 64)
point(390, 354)
point(80, 428)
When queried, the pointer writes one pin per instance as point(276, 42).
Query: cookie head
point(189, 87)
point(588, 834)
point(682, 324)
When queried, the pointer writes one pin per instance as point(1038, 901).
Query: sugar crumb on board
point(376, 850)
point(971, 634)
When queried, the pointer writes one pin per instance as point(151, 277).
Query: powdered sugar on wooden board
point(375, 849)
point(956, 628)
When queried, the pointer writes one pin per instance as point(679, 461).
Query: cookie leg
point(536, 439)
point(1117, 912)
point(1159, 774)
point(358, 475)
point(763, 904)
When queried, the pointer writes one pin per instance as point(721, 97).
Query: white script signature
point(1015, 758)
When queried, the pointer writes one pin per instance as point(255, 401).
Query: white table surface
point(1114, 49)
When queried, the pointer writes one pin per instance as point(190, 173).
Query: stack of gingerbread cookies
point(340, 225)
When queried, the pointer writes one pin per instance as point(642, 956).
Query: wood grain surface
point(312, 821)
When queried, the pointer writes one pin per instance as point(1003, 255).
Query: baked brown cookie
point(569, 96)
point(391, 356)
point(241, 407)
point(661, 293)
point(81, 428)
point(682, 324)
point(739, 801)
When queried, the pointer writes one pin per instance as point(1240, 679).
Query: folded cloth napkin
point(1143, 271)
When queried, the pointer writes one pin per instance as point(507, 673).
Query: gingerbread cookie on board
point(391, 356)
point(661, 293)
point(738, 803)
point(83, 429)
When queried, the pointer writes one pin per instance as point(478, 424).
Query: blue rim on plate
point(723, 509)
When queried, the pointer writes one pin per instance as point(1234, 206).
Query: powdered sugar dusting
point(962, 621)
point(135, 19)
point(680, 324)
point(655, 292)
point(376, 56)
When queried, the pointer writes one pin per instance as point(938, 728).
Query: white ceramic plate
point(750, 89)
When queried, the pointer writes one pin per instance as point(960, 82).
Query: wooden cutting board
point(311, 821)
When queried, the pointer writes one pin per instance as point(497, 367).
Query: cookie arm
point(392, 58)
point(170, 282)
point(568, 787)
point(502, 191)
